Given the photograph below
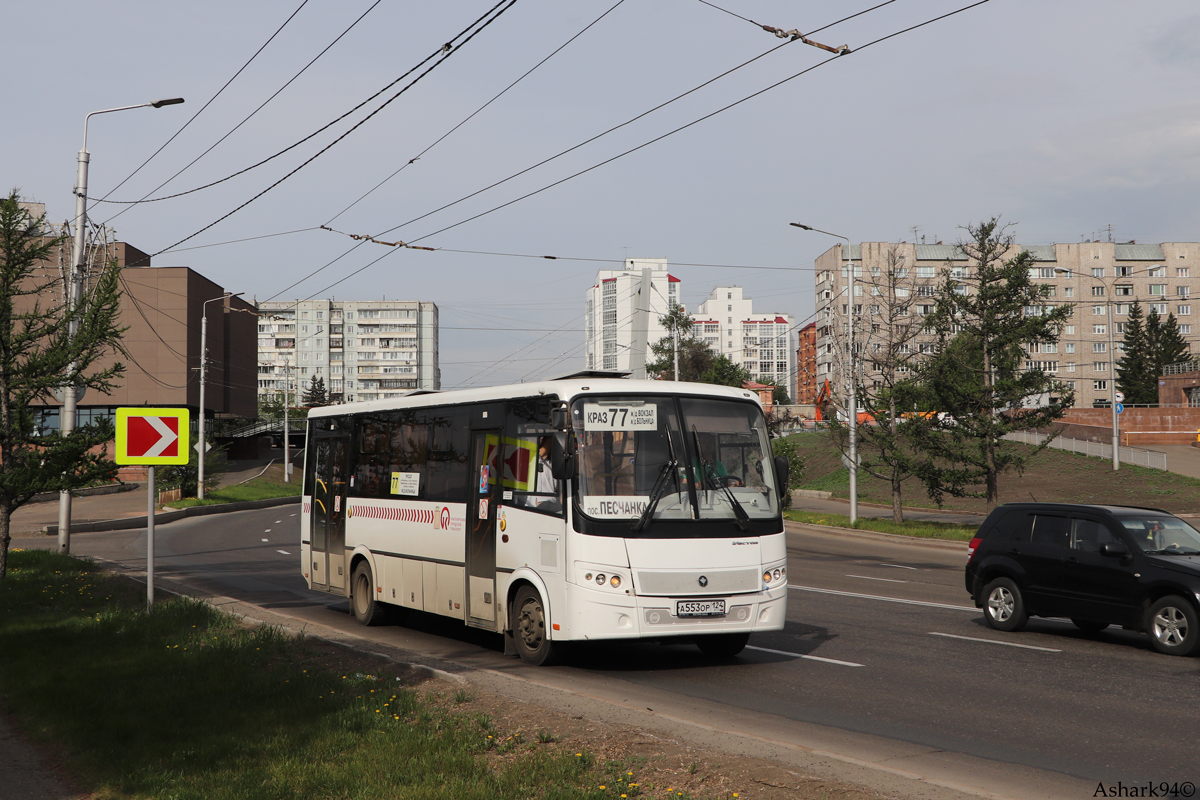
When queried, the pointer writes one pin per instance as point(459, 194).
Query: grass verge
point(917, 528)
point(183, 702)
point(1054, 476)
point(257, 489)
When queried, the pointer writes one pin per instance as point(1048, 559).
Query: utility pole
point(201, 443)
point(66, 422)
point(852, 405)
point(287, 438)
point(641, 327)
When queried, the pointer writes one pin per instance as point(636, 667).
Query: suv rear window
point(1004, 526)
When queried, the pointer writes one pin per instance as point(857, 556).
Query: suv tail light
point(972, 547)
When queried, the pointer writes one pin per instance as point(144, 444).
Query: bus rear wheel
point(529, 629)
point(367, 610)
point(723, 645)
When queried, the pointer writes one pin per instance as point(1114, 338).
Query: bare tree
point(887, 329)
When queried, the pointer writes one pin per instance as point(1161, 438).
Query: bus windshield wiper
point(712, 480)
point(655, 494)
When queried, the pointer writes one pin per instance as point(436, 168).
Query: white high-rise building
point(363, 350)
point(763, 343)
point(611, 307)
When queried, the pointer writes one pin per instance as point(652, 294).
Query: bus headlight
point(600, 579)
point(615, 581)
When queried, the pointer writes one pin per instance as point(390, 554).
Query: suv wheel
point(1003, 606)
point(1173, 626)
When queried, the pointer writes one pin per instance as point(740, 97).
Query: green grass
point(918, 528)
point(256, 489)
point(1050, 476)
point(182, 703)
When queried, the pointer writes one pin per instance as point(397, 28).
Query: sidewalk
point(31, 518)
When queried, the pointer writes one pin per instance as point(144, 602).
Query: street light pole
point(852, 406)
point(74, 287)
point(287, 438)
point(200, 442)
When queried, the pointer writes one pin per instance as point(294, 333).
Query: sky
point(1063, 117)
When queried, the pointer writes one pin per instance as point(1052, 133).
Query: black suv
point(1097, 565)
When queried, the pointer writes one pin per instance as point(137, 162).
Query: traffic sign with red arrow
point(150, 436)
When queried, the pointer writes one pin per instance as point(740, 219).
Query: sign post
point(147, 437)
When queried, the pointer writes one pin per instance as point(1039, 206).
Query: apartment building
point(1095, 278)
point(161, 311)
point(806, 366)
point(610, 312)
point(362, 350)
point(763, 343)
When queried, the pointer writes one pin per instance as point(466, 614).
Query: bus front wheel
point(529, 629)
point(367, 610)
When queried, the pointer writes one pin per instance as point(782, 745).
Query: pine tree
point(38, 354)
point(979, 382)
point(1171, 348)
point(315, 395)
point(1135, 365)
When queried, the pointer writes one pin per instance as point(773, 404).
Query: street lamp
point(1112, 369)
point(852, 410)
point(74, 291)
point(201, 444)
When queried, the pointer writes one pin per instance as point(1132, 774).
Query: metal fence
point(1128, 455)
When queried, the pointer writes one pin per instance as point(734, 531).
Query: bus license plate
point(699, 608)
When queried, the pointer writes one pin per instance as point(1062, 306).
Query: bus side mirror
point(782, 473)
point(562, 465)
point(558, 419)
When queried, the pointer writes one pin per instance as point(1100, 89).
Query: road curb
point(854, 533)
point(171, 516)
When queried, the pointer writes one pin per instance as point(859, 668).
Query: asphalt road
point(883, 660)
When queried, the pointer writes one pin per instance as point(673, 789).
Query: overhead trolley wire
point(697, 121)
point(243, 122)
point(211, 99)
point(445, 51)
point(468, 118)
point(669, 133)
point(623, 124)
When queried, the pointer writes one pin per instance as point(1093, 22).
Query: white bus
point(655, 514)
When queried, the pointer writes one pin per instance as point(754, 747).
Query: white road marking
point(993, 641)
point(285, 552)
point(869, 578)
point(266, 540)
point(279, 520)
point(268, 530)
point(885, 599)
point(800, 655)
point(899, 566)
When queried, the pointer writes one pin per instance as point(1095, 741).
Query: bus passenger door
point(329, 514)
point(485, 491)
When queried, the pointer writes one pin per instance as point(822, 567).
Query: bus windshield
point(677, 458)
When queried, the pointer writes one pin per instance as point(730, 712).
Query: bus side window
point(370, 474)
point(449, 448)
point(409, 451)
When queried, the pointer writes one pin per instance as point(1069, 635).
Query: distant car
point(1096, 565)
